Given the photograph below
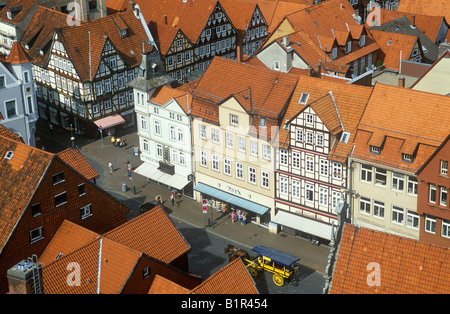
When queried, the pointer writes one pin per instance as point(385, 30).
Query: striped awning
point(232, 199)
point(303, 224)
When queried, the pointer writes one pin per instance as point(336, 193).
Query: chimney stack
point(285, 40)
point(131, 5)
point(413, 20)
point(165, 19)
point(401, 82)
point(25, 278)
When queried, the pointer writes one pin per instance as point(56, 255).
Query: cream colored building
point(432, 80)
point(233, 164)
point(385, 199)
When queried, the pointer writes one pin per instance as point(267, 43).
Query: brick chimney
point(401, 82)
point(25, 278)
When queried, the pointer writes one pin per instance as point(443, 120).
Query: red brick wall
point(431, 175)
point(107, 214)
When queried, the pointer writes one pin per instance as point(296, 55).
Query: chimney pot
point(401, 82)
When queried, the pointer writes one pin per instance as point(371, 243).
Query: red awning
point(109, 122)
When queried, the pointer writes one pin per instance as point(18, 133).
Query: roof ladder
point(36, 274)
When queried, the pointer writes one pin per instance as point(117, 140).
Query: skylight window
point(303, 98)
point(9, 155)
point(345, 136)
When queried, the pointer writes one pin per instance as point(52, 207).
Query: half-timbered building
point(175, 48)
point(82, 72)
point(251, 25)
point(212, 34)
point(311, 160)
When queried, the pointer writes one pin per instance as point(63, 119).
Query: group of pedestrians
point(240, 215)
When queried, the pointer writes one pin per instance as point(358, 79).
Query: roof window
point(9, 155)
point(303, 98)
point(344, 138)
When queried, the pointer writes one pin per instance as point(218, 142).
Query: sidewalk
point(100, 152)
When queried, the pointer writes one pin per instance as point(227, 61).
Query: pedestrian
point(172, 198)
point(113, 141)
point(50, 127)
point(232, 215)
point(118, 142)
point(244, 218)
point(110, 165)
point(239, 215)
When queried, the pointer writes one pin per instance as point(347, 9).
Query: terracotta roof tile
point(407, 266)
point(151, 233)
point(426, 7)
point(68, 238)
point(233, 278)
point(75, 158)
point(161, 285)
point(404, 119)
point(350, 101)
point(21, 175)
point(19, 9)
point(391, 44)
point(17, 55)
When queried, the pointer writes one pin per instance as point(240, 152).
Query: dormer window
point(375, 150)
point(407, 158)
point(262, 122)
point(344, 138)
point(362, 40)
point(123, 32)
point(333, 53)
point(348, 47)
point(9, 15)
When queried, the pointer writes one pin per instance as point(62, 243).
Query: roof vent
point(9, 155)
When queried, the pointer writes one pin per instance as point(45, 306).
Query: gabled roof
point(39, 32)
point(270, 90)
point(152, 233)
point(21, 176)
point(161, 285)
point(426, 7)
point(18, 8)
point(429, 25)
point(76, 159)
point(402, 25)
point(89, 39)
point(191, 16)
point(164, 35)
point(402, 265)
point(107, 261)
point(17, 55)
point(401, 120)
point(394, 46)
point(233, 278)
point(339, 106)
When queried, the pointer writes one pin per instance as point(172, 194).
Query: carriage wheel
point(278, 280)
point(253, 272)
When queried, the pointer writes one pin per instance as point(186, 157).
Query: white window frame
point(266, 152)
point(265, 177)
point(215, 162)
point(365, 205)
point(432, 192)
point(239, 171)
point(203, 159)
point(215, 135)
point(229, 140)
point(378, 209)
point(202, 131)
point(366, 173)
point(284, 185)
point(323, 196)
point(324, 167)
point(444, 167)
point(445, 228)
point(227, 166)
point(430, 224)
point(309, 192)
point(86, 211)
point(397, 215)
point(296, 188)
point(284, 157)
point(412, 219)
point(252, 175)
point(398, 182)
point(443, 192)
point(309, 160)
point(296, 160)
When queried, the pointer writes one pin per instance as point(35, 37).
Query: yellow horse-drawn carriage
point(282, 265)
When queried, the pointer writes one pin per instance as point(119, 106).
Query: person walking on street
point(244, 218)
point(172, 198)
point(113, 141)
point(232, 215)
point(110, 165)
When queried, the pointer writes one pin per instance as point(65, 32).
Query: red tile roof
point(21, 176)
point(426, 7)
point(234, 278)
point(393, 47)
point(161, 285)
point(350, 101)
point(152, 233)
point(19, 10)
point(17, 55)
point(89, 39)
point(405, 266)
point(402, 120)
point(75, 159)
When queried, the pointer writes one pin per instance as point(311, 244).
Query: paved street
point(207, 243)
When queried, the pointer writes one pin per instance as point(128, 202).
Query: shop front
point(225, 202)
